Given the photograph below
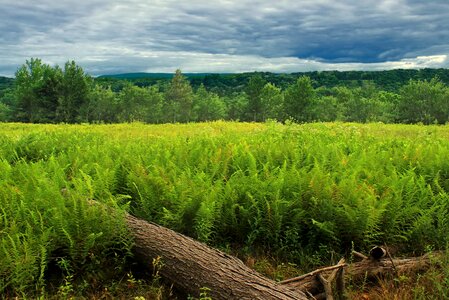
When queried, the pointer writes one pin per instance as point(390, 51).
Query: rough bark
point(368, 268)
point(191, 265)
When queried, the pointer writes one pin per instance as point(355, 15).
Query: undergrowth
point(302, 193)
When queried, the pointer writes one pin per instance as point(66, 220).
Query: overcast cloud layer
point(107, 36)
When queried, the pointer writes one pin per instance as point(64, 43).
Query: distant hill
point(141, 75)
point(6, 82)
point(228, 83)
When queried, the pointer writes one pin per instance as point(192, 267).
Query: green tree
point(7, 105)
point(272, 101)
point(298, 98)
point(179, 99)
point(424, 101)
point(132, 103)
point(73, 93)
point(253, 91)
point(142, 104)
point(236, 105)
point(37, 92)
point(345, 98)
point(155, 102)
point(5, 112)
point(387, 106)
point(103, 105)
point(325, 109)
point(208, 106)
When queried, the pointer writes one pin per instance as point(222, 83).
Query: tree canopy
point(41, 93)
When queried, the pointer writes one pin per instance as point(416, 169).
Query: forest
point(41, 93)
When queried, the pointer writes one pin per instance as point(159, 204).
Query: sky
point(225, 36)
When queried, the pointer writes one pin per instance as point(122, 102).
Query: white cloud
point(225, 35)
point(189, 62)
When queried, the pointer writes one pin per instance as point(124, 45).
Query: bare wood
point(312, 296)
point(385, 266)
point(391, 260)
point(327, 283)
point(310, 282)
point(364, 269)
point(337, 276)
point(359, 255)
point(340, 284)
point(311, 274)
point(191, 265)
point(334, 272)
point(327, 287)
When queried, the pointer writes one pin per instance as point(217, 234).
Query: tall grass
point(297, 191)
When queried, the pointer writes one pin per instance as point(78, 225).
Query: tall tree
point(424, 101)
point(253, 91)
point(272, 101)
point(7, 105)
point(325, 109)
point(208, 106)
point(36, 92)
point(236, 105)
point(74, 93)
point(133, 103)
point(298, 98)
point(5, 112)
point(154, 104)
point(179, 98)
point(103, 105)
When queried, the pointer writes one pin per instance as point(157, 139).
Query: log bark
point(191, 265)
point(368, 268)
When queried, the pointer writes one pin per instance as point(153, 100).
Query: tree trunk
point(368, 268)
point(191, 265)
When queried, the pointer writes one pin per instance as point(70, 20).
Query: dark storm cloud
point(225, 36)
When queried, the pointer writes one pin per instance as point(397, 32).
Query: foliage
point(272, 102)
point(45, 94)
point(179, 98)
point(37, 92)
point(424, 101)
point(47, 226)
point(5, 112)
point(73, 94)
point(298, 99)
point(300, 192)
point(253, 91)
point(103, 106)
point(208, 106)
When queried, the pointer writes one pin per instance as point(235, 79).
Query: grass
point(303, 194)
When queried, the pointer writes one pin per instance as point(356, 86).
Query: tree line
point(50, 94)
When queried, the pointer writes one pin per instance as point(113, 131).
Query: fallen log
point(372, 268)
point(191, 265)
point(369, 268)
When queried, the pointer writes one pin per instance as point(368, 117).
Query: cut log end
point(377, 253)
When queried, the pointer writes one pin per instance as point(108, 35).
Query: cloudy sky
point(108, 36)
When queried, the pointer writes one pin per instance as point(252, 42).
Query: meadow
point(303, 193)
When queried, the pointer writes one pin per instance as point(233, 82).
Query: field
point(303, 194)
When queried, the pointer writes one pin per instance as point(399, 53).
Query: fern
point(298, 191)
